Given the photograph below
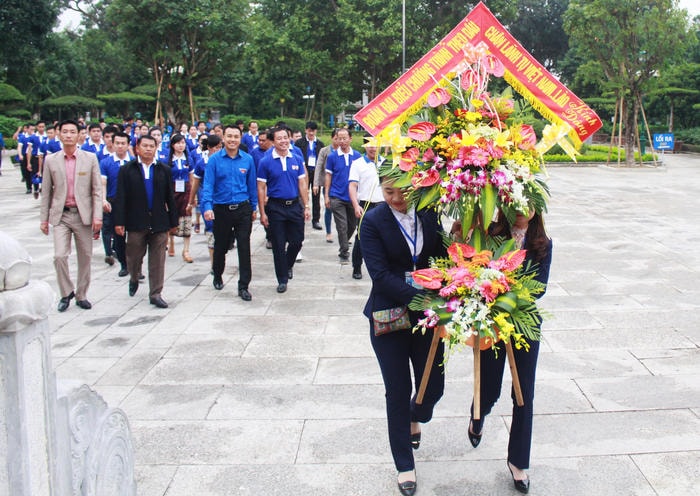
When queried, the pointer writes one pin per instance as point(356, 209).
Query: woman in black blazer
point(394, 242)
point(529, 234)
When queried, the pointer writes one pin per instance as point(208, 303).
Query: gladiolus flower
point(421, 131)
point(439, 96)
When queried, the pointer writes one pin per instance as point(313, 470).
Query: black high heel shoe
point(521, 485)
point(415, 440)
point(407, 488)
point(474, 439)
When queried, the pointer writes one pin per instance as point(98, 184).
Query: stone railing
point(50, 444)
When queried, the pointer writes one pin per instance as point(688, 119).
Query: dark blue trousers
point(397, 352)
point(286, 228)
point(112, 242)
point(491, 380)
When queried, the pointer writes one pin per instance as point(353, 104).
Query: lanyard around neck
point(413, 240)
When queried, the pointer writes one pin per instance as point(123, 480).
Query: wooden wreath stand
point(484, 344)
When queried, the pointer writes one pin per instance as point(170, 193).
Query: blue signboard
point(663, 141)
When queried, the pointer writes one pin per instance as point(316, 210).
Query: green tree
point(183, 45)
point(24, 26)
point(631, 41)
point(539, 28)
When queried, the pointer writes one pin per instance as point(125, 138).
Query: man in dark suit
point(145, 208)
point(310, 148)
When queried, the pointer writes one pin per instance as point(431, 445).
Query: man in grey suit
point(71, 202)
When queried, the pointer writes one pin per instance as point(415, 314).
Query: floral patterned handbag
point(390, 320)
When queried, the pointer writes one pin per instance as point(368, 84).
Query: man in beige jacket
point(71, 202)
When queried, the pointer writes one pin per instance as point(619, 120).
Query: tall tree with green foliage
point(539, 27)
point(183, 44)
point(24, 29)
point(631, 41)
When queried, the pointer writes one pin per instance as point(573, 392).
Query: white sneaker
point(300, 257)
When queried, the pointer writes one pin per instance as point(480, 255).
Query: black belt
point(232, 206)
point(70, 209)
point(284, 202)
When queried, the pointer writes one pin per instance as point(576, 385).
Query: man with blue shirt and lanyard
point(229, 198)
point(337, 196)
point(282, 180)
point(310, 147)
point(109, 169)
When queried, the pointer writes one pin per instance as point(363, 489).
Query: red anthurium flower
point(509, 261)
point(470, 78)
point(421, 131)
point(439, 96)
point(529, 138)
point(409, 159)
point(429, 155)
point(428, 278)
point(424, 179)
point(493, 65)
point(460, 252)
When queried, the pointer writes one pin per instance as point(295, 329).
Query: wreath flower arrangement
point(465, 155)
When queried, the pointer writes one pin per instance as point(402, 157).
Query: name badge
point(312, 161)
point(179, 186)
point(82, 173)
point(408, 277)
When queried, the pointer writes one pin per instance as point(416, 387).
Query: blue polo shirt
point(281, 174)
point(163, 153)
point(98, 149)
point(338, 165)
point(52, 146)
point(229, 180)
point(192, 143)
point(109, 169)
point(22, 139)
point(35, 140)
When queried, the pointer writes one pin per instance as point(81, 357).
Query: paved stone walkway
point(283, 396)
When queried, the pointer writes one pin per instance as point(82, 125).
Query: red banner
point(527, 76)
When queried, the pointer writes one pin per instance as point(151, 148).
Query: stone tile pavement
point(282, 395)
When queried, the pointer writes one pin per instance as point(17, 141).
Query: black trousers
point(111, 241)
point(240, 221)
point(315, 197)
point(396, 352)
point(286, 228)
point(491, 380)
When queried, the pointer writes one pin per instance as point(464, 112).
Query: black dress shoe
point(141, 277)
point(123, 273)
point(521, 485)
point(159, 302)
point(133, 287)
point(218, 283)
point(245, 295)
point(474, 439)
point(65, 301)
point(290, 274)
point(317, 226)
point(84, 304)
point(357, 274)
point(415, 440)
point(407, 488)
point(281, 288)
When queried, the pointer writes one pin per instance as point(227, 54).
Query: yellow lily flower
point(391, 136)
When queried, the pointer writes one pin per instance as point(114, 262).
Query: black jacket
point(303, 145)
point(130, 207)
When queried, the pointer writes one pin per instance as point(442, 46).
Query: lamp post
point(403, 36)
point(309, 106)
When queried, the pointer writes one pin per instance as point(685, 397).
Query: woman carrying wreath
point(529, 234)
point(396, 240)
